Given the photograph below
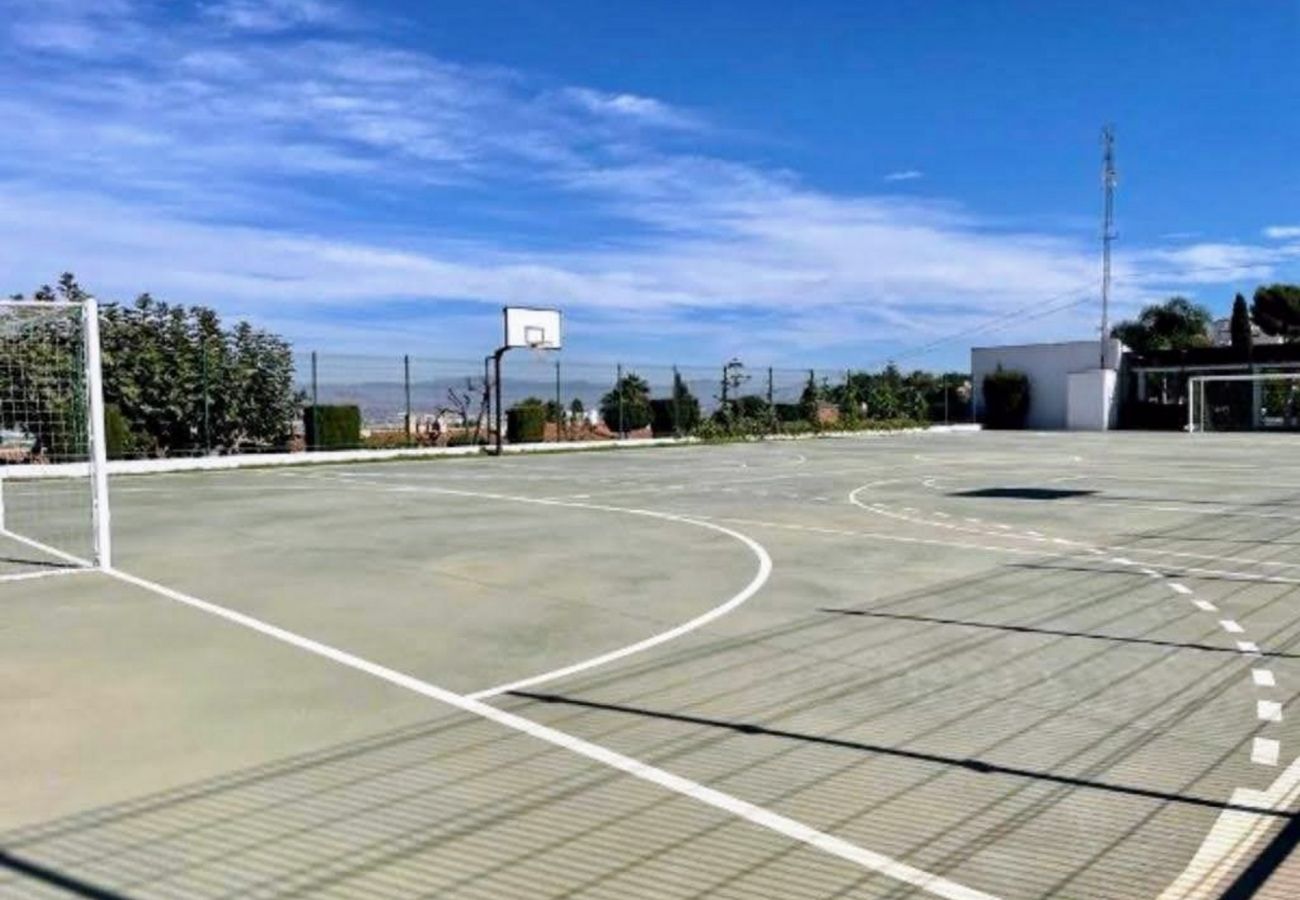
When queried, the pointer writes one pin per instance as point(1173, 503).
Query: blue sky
point(829, 183)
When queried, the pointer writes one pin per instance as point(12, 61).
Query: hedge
point(526, 423)
point(332, 427)
point(687, 415)
point(1006, 399)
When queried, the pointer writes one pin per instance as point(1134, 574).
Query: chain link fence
point(419, 401)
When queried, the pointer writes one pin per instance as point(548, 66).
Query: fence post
point(559, 406)
point(315, 406)
point(771, 403)
point(406, 381)
point(677, 414)
point(618, 389)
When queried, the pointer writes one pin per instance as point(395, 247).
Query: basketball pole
point(496, 361)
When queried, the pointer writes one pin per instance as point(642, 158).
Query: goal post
point(1259, 401)
point(54, 506)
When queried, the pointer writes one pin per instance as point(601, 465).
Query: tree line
point(1180, 324)
point(858, 399)
point(176, 380)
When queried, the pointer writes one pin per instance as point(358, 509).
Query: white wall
point(1091, 405)
point(1048, 367)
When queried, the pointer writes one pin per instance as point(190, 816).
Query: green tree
point(1276, 310)
point(687, 405)
point(1242, 339)
point(179, 381)
point(1176, 324)
point(635, 407)
point(809, 399)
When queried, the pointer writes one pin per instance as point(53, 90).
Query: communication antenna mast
point(1108, 180)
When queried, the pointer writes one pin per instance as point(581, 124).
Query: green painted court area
point(957, 665)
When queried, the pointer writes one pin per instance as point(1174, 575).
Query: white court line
point(1263, 677)
point(1264, 751)
point(45, 573)
point(1234, 833)
point(765, 818)
point(874, 535)
point(757, 582)
point(46, 548)
point(1268, 710)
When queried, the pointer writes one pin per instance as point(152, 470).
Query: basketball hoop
point(537, 330)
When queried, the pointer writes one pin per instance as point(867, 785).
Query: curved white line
point(755, 583)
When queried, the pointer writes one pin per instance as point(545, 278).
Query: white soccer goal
point(54, 511)
point(1260, 401)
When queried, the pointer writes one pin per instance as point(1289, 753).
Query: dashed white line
point(1268, 710)
point(1265, 751)
point(1179, 588)
point(1231, 626)
point(1263, 677)
point(1205, 606)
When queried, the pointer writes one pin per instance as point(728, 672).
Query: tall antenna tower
point(1108, 181)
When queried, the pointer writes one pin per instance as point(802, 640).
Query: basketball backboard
point(527, 326)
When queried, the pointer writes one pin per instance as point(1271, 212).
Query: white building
point(1069, 384)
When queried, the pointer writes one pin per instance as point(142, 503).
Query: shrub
point(332, 427)
point(526, 422)
point(387, 440)
point(791, 412)
point(1006, 398)
point(667, 420)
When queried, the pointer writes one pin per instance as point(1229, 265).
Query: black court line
point(57, 879)
point(970, 764)
point(1174, 569)
point(1029, 629)
point(43, 563)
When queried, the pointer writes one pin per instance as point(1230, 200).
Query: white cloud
point(1282, 232)
point(905, 175)
point(274, 15)
point(167, 160)
point(631, 107)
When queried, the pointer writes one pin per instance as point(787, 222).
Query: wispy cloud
point(632, 107)
point(274, 15)
point(288, 174)
point(1282, 232)
point(905, 175)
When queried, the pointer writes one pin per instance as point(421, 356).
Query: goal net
point(53, 483)
point(1263, 401)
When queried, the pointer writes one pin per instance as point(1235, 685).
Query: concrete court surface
point(960, 665)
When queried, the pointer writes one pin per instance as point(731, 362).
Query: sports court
point(956, 665)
